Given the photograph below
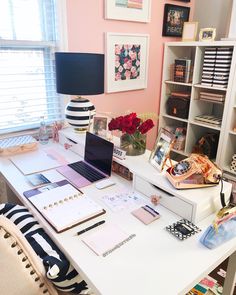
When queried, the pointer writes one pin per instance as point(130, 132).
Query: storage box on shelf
point(216, 99)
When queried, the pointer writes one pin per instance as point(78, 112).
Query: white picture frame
point(207, 34)
point(126, 61)
point(189, 31)
point(161, 149)
point(127, 10)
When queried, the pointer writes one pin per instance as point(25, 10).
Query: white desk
point(154, 262)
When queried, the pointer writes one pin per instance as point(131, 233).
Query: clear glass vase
point(133, 144)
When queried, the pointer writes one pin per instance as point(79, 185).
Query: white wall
point(213, 14)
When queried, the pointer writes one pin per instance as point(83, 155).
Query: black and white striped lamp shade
point(79, 113)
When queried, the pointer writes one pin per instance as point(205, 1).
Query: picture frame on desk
point(100, 126)
point(126, 61)
point(131, 10)
point(162, 148)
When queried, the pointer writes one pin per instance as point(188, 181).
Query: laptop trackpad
point(74, 177)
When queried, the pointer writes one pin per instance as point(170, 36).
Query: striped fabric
point(58, 268)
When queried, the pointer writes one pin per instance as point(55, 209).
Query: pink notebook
point(106, 239)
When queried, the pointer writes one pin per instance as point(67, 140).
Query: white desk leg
point(230, 279)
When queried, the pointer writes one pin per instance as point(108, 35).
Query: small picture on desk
point(161, 149)
point(100, 126)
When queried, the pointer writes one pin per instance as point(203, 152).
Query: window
point(28, 40)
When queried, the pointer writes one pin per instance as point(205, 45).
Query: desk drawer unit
point(171, 202)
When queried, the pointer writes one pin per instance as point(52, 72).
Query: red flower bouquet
point(134, 130)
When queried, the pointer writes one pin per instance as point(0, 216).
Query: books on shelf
point(209, 119)
point(182, 68)
point(210, 96)
point(62, 205)
point(216, 66)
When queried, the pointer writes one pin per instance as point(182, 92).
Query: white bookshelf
point(227, 109)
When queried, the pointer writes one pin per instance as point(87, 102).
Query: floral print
point(127, 61)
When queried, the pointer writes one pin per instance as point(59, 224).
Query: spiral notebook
point(63, 206)
point(107, 239)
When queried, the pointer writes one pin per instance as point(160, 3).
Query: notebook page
point(65, 206)
point(33, 162)
point(106, 239)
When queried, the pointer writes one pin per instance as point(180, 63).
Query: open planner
point(63, 206)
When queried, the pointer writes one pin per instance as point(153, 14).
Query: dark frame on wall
point(174, 18)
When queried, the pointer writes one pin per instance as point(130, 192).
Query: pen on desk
point(90, 227)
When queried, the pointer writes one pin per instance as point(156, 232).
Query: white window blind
point(28, 40)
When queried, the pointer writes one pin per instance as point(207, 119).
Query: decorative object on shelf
point(233, 163)
point(190, 31)
point(194, 172)
point(100, 125)
point(178, 106)
point(128, 10)
point(207, 34)
point(134, 130)
point(207, 145)
point(79, 74)
point(174, 18)
point(127, 61)
point(161, 151)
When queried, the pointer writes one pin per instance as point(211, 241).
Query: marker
point(90, 227)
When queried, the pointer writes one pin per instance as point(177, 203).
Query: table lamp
point(79, 74)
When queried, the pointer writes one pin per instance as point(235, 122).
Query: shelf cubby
point(224, 108)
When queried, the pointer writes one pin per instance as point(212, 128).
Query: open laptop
point(96, 165)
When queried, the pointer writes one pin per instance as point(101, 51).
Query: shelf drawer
point(171, 202)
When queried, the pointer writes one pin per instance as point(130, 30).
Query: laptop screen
point(98, 152)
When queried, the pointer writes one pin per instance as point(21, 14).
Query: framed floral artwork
point(174, 18)
point(129, 10)
point(126, 61)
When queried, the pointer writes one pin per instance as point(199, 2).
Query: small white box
point(72, 140)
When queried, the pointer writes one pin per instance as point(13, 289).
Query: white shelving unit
point(227, 109)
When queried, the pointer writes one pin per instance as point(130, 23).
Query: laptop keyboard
point(86, 171)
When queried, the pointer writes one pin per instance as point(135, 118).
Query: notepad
point(107, 239)
point(64, 206)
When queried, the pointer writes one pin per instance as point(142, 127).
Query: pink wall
point(86, 28)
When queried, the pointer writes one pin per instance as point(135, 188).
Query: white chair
point(22, 271)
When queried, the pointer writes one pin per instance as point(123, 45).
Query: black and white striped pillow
point(58, 268)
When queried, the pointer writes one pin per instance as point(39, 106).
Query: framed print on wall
point(130, 10)
point(126, 61)
point(174, 18)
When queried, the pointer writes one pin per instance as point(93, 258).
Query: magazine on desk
point(62, 205)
